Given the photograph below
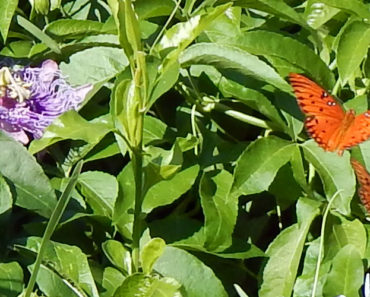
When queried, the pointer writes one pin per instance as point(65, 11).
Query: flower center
point(12, 86)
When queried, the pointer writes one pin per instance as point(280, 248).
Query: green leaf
point(227, 24)
point(195, 277)
point(304, 283)
point(75, 28)
point(150, 253)
point(285, 253)
point(346, 232)
point(154, 130)
point(11, 279)
point(119, 13)
point(335, 172)
point(35, 31)
point(352, 49)
point(347, 273)
point(132, 27)
point(17, 49)
point(272, 44)
point(167, 191)
point(259, 163)
point(100, 190)
point(33, 189)
point(117, 254)
point(141, 285)
point(318, 14)
point(7, 9)
point(153, 8)
point(166, 76)
point(236, 91)
point(285, 196)
point(298, 170)
point(181, 35)
point(224, 56)
point(112, 279)
point(64, 264)
point(93, 65)
point(274, 7)
point(123, 209)
point(220, 209)
point(253, 99)
point(6, 200)
point(355, 7)
point(71, 125)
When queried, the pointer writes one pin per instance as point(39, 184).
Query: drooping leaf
point(65, 265)
point(268, 43)
point(346, 275)
point(33, 189)
point(93, 65)
point(335, 172)
point(220, 209)
point(232, 57)
point(285, 253)
point(352, 48)
point(259, 163)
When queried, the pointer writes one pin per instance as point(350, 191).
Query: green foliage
point(199, 178)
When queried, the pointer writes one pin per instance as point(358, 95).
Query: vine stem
point(321, 247)
point(52, 224)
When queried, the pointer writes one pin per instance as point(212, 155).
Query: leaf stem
point(165, 26)
point(52, 224)
point(322, 235)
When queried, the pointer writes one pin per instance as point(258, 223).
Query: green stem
point(137, 163)
point(241, 116)
point(52, 224)
point(321, 247)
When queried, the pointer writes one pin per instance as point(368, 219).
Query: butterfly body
point(326, 121)
point(364, 179)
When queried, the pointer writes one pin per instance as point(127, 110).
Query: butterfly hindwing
point(322, 129)
point(363, 178)
point(358, 132)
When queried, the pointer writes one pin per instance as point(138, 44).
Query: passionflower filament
point(32, 97)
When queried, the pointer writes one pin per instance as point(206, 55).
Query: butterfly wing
point(324, 115)
point(363, 178)
point(358, 132)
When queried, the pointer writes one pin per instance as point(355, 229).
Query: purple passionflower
point(32, 97)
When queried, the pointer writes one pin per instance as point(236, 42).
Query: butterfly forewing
point(324, 115)
point(363, 178)
point(313, 99)
point(326, 121)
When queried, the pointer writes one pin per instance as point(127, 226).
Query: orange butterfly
point(332, 128)
point(364, 179)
